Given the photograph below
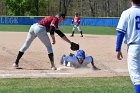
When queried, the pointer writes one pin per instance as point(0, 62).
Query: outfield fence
point(68, 21)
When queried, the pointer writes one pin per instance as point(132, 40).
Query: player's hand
point(119, 55)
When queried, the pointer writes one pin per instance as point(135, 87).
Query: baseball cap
point(76, 13)
point(80, 54)
point(62, 15)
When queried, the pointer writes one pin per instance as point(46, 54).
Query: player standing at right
point(129, 27)
point(76, 22)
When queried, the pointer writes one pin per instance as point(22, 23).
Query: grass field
point(67, 85)
point(66, 29)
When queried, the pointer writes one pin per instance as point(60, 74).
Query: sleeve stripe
point(121, 30)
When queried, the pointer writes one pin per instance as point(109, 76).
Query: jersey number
point(137, 22)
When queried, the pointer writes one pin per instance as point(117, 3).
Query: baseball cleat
point(53, 68)
point(95, 68)
point(15, 65)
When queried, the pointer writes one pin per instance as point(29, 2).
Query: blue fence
point(84, 21)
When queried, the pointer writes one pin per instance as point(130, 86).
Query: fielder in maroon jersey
point(40, 29)
point(76, 23)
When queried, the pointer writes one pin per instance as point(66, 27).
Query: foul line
point(32, 74)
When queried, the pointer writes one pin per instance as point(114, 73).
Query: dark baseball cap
point(61, 15)
point(76, 13)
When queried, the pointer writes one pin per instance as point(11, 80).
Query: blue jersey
point(73, 60)
point(129, 24)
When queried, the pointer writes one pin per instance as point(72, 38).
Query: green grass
point(66, 29)
point(96, 30)
point(67, 85)
point(16, 28)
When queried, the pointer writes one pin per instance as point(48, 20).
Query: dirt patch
point(35, 62)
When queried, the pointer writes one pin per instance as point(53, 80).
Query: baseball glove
point(74, 46)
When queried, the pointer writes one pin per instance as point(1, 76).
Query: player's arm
point(73, 47)
point(52, 29)
point(72, 21)
point(120, 36)
point(79, 21)
point(62, 35)
point(121, 30)
point(92, 63)
point(64, 60)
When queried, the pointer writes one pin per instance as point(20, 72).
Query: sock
point(51, 57)
point(20, 54)
point(72, 33)
point(81, 33)
point(137, 88)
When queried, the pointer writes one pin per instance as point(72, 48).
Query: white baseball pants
point(134, 63)
point(75, 26)
point(37, 30)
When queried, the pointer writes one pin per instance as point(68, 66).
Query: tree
point(91, 8)
point(23, 7)
point(32, 9)
point(3, 7)
point(16, 7)
point(64, 5)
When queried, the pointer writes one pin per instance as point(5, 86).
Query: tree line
point(86, 8)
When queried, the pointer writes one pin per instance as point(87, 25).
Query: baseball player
point(76, 23)
point(40, 29)
point(78, 60)
point(129, 27)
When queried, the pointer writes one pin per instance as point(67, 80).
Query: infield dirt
point(35, 62)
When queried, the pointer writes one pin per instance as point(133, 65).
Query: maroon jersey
point(76, 20)
point(48, 21)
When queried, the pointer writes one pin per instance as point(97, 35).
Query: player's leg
point(79, 29)
point(73, 30)
point(134, 65)
point(43, 36)
point(51, 57)
point(30, 37)
point(20, 54)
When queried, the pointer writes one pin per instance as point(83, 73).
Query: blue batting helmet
point(80, 54)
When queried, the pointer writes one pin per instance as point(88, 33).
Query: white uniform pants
point(134, 63)
point(75, 26)
point(39, 31)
